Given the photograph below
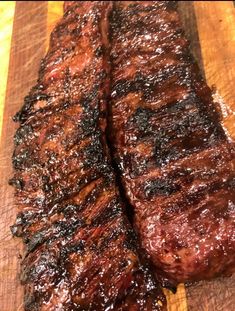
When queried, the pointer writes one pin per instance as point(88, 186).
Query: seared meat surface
point(81, 253)
point(176, 163)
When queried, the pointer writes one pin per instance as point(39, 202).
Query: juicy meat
point(176, 163)
point(81, 253)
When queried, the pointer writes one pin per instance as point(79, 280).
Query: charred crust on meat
point(173, 155)
point(22, 133)
point(18, 183)
point(160, 187)
point(141, 118)
point(29, 101)
point(100, 51)
point(80, 250)
point(147, 84)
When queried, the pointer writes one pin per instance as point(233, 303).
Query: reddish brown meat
point(81, 253)
point(176, 163)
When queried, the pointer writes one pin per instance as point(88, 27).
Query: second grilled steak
point(176, 163)
point(81, 253)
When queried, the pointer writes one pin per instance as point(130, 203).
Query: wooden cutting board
point(25, 27)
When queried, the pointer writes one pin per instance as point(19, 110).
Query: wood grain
point(215, 295)
point(189, 20)
point(54, 13)
point(7, 10)
point(216, 34)
point(216, 28)
point(211, 28)
point(178, 301)
point(28, 47)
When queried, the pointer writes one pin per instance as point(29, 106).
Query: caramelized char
point(81, 253)
point(176, 163)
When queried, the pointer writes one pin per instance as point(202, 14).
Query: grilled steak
point(81, 253)
point(176, 163)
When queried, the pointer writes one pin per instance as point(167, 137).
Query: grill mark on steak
point(148, 84)
point(81, 253)
point(175, 160)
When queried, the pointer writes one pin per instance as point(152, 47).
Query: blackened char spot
point(133, 19)
point(16, 230)
point(147, 84)
point(29, 101)
point(163, 156)
point(89, 121)
point(18, 183)
point(22, 133)
point(231, 183)
point(65, 228)
point(22, 159)
point(47, 263)
point(69, 209)
point(99, 51)
point(185, 130)
point(46, 186)
point(37, 239)
point(61, 228)
point(141, 117)
point(162, 187)
point(26, 218)
point(165, 5)
point(87, 99)
point(78, 247)
point(31, 302)
point(93, 153)
point(131, 240)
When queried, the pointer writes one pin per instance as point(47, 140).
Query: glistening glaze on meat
point(81, 253)
point(176, 163)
